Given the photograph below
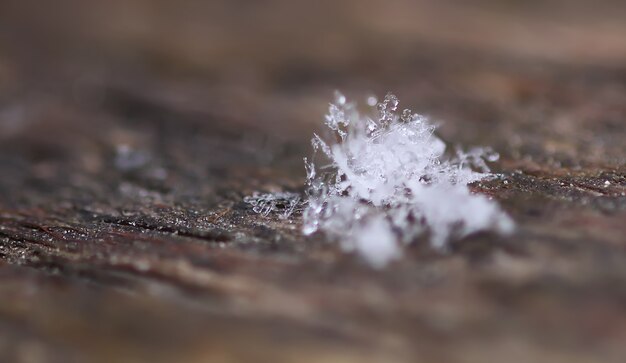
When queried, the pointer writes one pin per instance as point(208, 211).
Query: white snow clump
point(388, 180)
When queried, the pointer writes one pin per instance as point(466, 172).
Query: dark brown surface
point(130, 132)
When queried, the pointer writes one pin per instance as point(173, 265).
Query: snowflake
point(387, 180)
point(283, 203)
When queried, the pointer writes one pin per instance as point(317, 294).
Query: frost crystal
point(389, 180)
point(283, 203)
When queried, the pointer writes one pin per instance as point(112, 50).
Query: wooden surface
point(130, 131)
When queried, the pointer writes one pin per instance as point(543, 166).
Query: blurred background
point(277, 62)
point(130, 131)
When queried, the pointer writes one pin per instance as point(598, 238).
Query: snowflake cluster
point(387, 180)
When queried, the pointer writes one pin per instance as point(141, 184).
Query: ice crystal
point(282, 203)
point(387, 180)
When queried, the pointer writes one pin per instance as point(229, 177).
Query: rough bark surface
point(126, 152)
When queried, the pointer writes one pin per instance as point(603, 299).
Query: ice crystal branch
point(387, 180)
point(283, 203)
